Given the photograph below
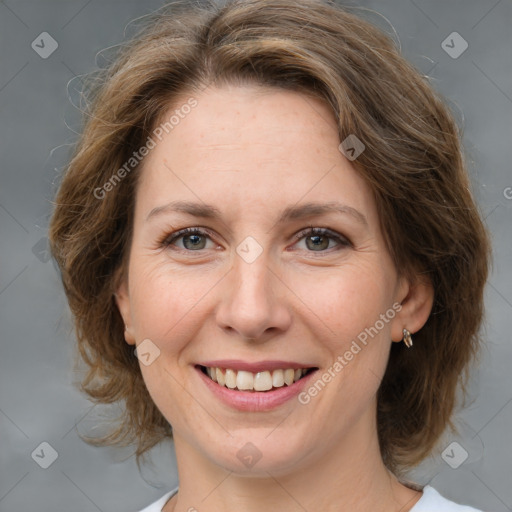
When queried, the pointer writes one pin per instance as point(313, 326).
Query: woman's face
point(255, 290)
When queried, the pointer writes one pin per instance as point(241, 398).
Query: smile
point(242, 380)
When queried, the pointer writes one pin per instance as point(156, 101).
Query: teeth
point(289, 375)
point(244, 380)
point(248, 381)
point(230, 379)
point(220, 376)
point(263, 381)
point(278, 378)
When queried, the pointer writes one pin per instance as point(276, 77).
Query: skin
point(251, 151)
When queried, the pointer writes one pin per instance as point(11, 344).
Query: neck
point(350, 476)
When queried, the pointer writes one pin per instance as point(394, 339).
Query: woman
point(266, 195)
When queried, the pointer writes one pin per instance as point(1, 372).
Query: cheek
point(347, 306)
point(348, 299)
point(166, 301)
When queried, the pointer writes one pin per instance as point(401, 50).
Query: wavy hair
point(413, 164)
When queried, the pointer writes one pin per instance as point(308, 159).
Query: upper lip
point(255, 367)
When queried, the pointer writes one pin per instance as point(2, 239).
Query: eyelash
point(310, 231)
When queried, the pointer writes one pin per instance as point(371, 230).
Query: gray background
point(38, 402)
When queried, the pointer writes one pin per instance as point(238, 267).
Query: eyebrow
point(295, 212)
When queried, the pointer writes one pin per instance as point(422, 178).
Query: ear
point(122, 298)
point(416, 298)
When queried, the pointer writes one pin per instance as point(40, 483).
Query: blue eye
point(191, 237)
point(194, 239)
point(318, 238)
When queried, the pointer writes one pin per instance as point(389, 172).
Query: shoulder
point(432, 501)
point(157, 505)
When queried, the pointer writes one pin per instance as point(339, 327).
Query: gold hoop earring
point(407, 338)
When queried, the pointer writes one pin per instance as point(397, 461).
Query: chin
point(258, 452)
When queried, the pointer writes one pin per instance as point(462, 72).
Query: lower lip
point(255, 400)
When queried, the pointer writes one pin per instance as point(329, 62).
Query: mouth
point(255, 382)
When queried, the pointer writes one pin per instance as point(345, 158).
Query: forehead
point(244, 146)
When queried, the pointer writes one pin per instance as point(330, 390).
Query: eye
point(318, 239)
point(191, 239)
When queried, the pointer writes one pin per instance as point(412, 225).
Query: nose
point(253, 301)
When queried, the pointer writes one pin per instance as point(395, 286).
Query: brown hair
point(412, 162)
